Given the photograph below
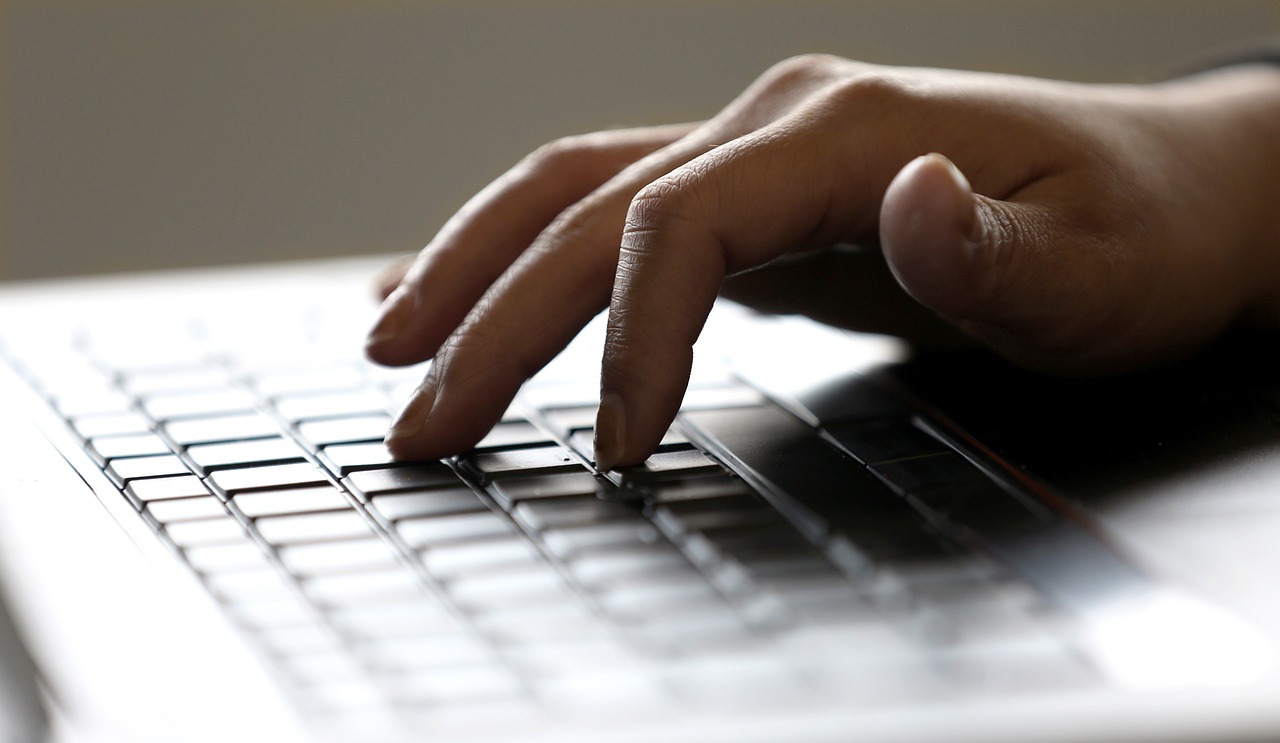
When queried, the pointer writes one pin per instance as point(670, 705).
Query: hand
point(1081, 229)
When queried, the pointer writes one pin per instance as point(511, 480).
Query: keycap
point(345, 430)
point(295, 500)
point(98, 397)
point(570, 542)
point(421, 616)
point(514, 433)
point(565, 420)
point(510, 491)
point(540, 460)
point(570, 511)
point(426, 651)
point(243, 555)
point(854, 397)
point(361, 589)
point(110, 424)
point(268, 477)
point(251, 585)
point(883, 440)
point(526, 584)
point(818, 488)
point(212, 457)
point(944, 469)
point(297, 408)
point(565, 624)
point(619, 566)
point(169, 406)
point(730, 396)
point(343, 459)
point(161, 488)
point(301, 639)
point(449, 561)
point(583, 442)
point(105, 448)
point(435, 502)
point(730, 511)
point(218, 428)
point(665, 464)
point(661, 599)
point(205, 531)
point(181, 509)
point(453, 684)
point(338, 557)
point(413, 477)
point(428, 532)
point(696, 488)
point(145, 383)
point(126, 469)
point(275, 612)
point(298, 381)
point(313, 527)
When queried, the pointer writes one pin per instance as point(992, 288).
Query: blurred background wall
point(148, 134)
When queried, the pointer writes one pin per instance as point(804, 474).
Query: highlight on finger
point(481, 242)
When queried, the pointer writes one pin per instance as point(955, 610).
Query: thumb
point(935, 238)
point(994, 268)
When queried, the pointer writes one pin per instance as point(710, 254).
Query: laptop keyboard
point(756, 562)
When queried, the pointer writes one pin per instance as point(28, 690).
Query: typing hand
point(1081, 229)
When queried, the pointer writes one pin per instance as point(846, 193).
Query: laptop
point(839, 539)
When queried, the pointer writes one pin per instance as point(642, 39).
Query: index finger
point(734, 208)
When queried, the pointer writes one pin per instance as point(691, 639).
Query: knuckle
point(801, 69)
point(569, 153)
point(867, 89)
point(661, 202)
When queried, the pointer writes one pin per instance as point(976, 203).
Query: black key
point(428, 532)
point(661, 464)
point(697, 488)
point(412, 477)
point(513, 490)
point(728, 396)
point(313, 527)
point(943, 470)
point(883, 440)
point(853, 398)
point(732, 511)
point(516, 462)
point(566, 420)
point(570, 511)
point(984, 507)
point(817, 487)
point(512, 434)
point(435, 502)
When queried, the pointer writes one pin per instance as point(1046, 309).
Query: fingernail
point(395, 314)
point(413, 416)
point(611, 437)
point(970, 225)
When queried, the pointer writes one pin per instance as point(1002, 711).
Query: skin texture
point(1073, 229)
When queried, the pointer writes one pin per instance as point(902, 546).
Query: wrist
point(1235, 124)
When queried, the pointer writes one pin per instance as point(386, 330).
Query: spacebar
point(818, 488)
